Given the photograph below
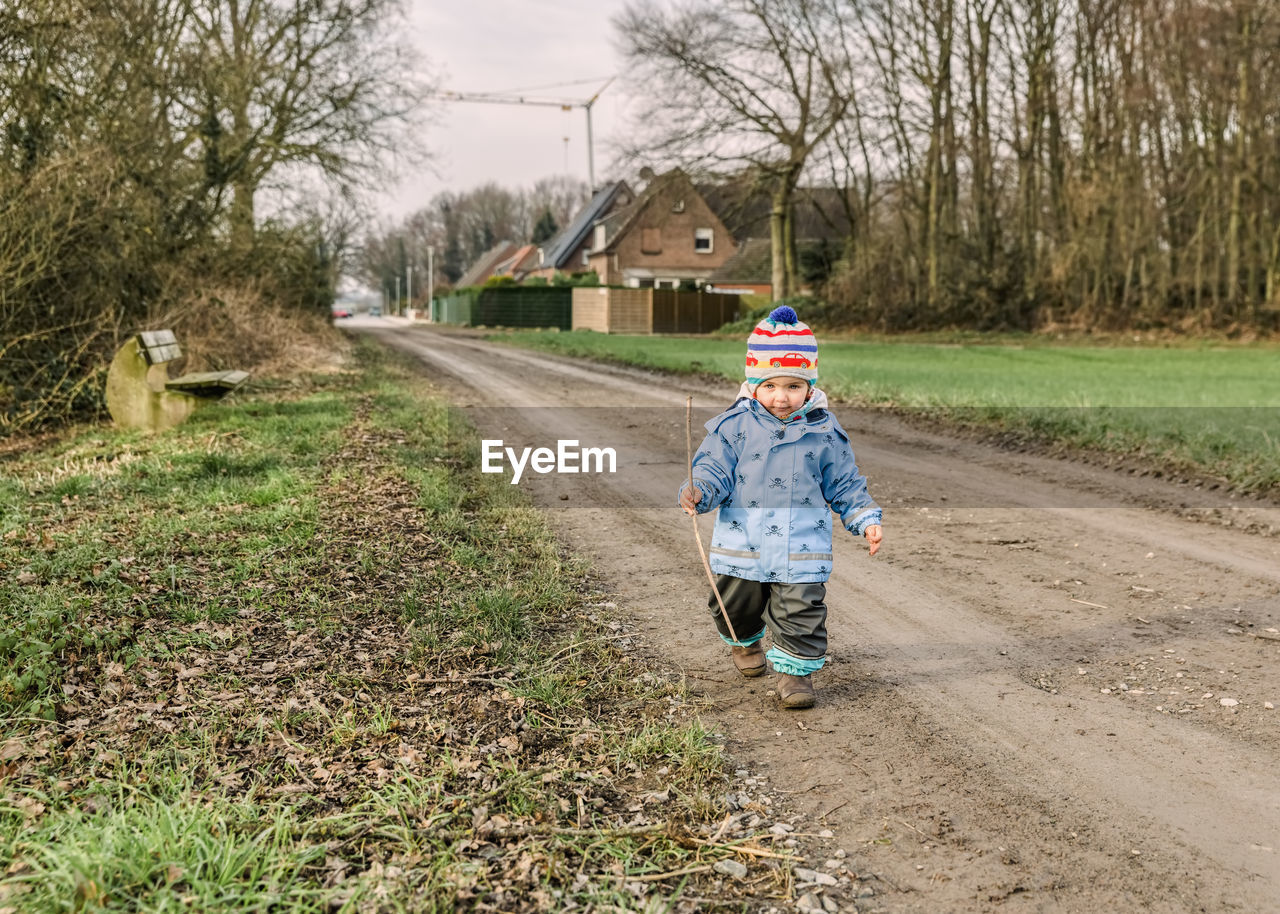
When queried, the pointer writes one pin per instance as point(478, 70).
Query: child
point(776, 463)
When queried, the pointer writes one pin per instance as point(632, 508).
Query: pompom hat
point(781, 346)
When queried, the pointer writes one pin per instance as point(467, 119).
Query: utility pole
point(431, 282)
point(396, 308)
point(409, 285)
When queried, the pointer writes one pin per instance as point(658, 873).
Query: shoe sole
point(797, 702)
point(751, 672)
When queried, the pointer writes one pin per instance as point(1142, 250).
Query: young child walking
point(776, 464)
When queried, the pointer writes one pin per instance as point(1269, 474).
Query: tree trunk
point(980, 152)
point(1234, 218)
point(777, 245)
point(789, 250)
point(241, 215)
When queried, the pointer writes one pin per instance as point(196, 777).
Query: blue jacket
point(773, 483)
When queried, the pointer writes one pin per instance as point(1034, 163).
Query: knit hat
point(781, 346)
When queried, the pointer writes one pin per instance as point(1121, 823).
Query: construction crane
point(492, 98)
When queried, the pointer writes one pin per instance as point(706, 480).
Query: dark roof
point(556, 252)
point(744, 209)
point(484, 266)
point(753, 263)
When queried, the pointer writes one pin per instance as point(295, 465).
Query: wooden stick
point(697, 535)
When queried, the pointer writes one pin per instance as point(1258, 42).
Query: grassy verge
point(298, 654)
point(1206, 410)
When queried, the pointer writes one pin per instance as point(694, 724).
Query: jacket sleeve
point(714, 465)
point(845, 488)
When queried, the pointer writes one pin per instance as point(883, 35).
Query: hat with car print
point(781, 346)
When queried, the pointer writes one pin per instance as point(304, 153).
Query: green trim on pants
point(795, 614)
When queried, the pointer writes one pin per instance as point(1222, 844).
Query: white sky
point(499, 45)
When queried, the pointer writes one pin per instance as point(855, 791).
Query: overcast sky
point(505, 45)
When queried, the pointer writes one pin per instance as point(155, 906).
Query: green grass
point(291, 654)
point(1207, 409)
point(175, 850)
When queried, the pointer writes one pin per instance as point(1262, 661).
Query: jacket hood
point(817, 400)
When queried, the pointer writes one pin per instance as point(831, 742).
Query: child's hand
point(873, 534)
point(689, 499)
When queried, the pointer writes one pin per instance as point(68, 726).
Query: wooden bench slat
point(215, 383)
point(159, 346)
point(157, 337)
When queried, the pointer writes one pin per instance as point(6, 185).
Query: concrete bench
point(140, 393)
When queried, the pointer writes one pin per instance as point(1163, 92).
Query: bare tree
point(561, 195)
point(754, 85)
point(296, 84)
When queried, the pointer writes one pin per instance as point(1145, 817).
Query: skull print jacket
point(776, 484)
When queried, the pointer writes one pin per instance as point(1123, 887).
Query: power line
point(492, 98)
point(575, 82)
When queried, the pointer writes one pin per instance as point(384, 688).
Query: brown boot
point(749, 660)
point(795, 691)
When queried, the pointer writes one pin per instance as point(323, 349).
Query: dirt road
point(1049, 691)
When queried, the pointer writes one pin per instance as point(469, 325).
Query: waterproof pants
point(795, 614)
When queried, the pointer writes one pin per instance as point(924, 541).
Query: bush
point(239, 325)
point(807, 309)
point(581, 278)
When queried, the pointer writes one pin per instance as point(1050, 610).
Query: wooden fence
point(608, 310)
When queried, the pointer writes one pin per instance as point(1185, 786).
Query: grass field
point(1211, 410)
point(299, 654)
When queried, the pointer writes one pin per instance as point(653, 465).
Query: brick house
point(566, 251)
point(665, 236)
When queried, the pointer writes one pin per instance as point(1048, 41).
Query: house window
point(666, 283)
point(598, 242)
point(677, 207)
point(702, 240)
point(542, 258)
point(586, 257)
point(651, 241)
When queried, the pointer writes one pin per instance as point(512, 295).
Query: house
point(518, 265)
point(666, 236)
point(821, 227)
point(748, 272)
point(486, 265)
point(566, 251)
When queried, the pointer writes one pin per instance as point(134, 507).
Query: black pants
point(795, 614)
